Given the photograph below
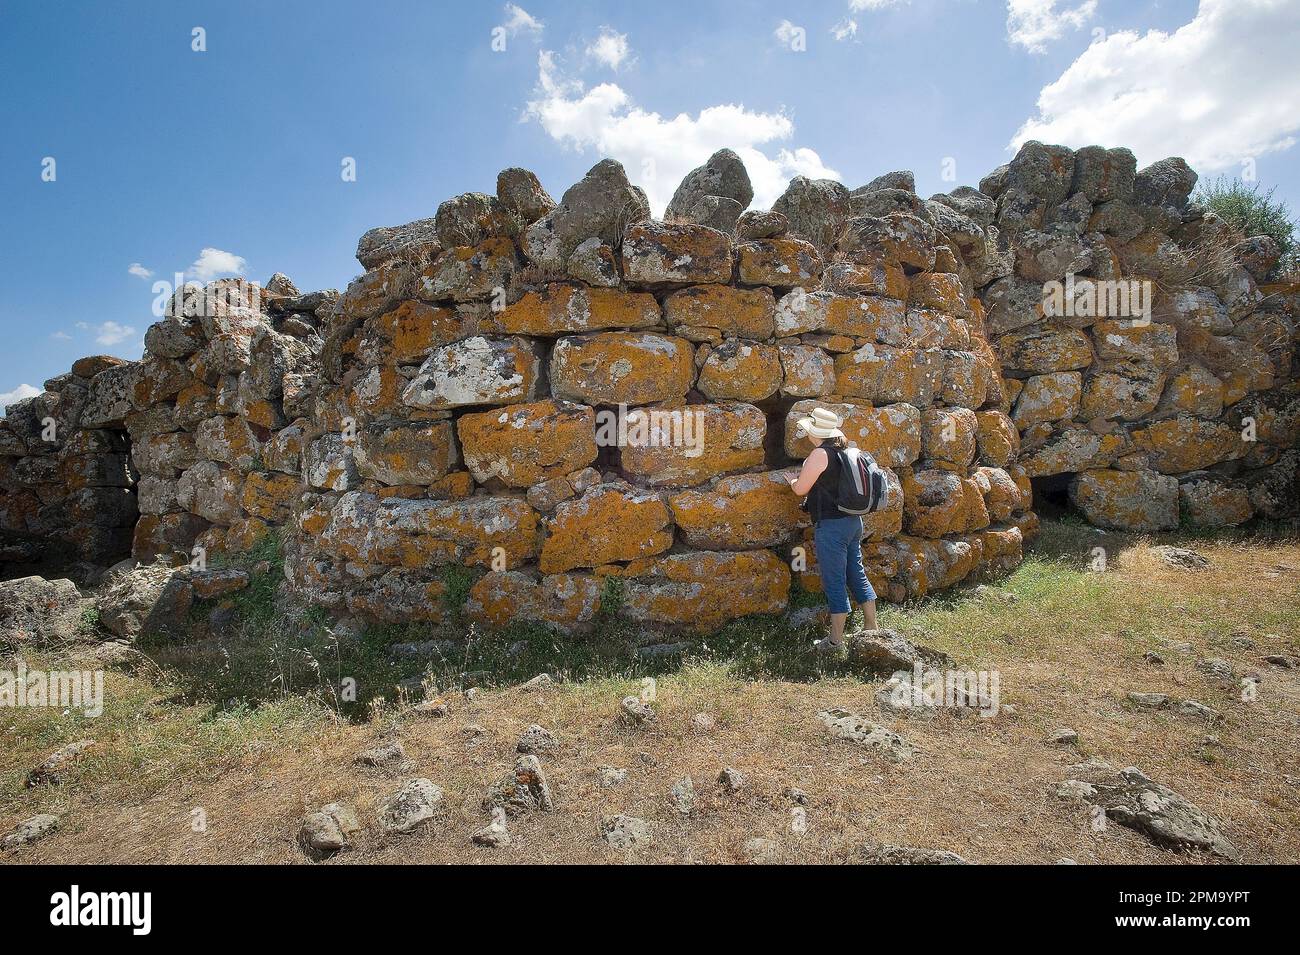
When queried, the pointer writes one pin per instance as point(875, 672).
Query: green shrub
point(1252, 211)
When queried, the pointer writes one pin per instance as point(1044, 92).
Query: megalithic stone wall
point(67, 490)
point(1191, 412)
point(583, 408)
point(483, 384)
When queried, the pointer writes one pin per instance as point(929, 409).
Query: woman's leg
point(856, 578)
point(829, 541)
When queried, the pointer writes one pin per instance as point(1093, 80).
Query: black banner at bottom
point(336, 904)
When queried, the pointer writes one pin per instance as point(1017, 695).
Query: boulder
point(40, 612)
point(525, 445)
point(723, 175)
point(1126, 500)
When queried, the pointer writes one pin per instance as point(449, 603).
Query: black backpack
point(862, 483)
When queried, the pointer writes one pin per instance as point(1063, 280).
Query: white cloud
point(1033, 24)
point(61, 336)
point(787, 34)
point(518, 19)
point(1218, 90)
point(111, 333)
point(845, 30)
point(139, 271)
point(610, 48)
point(658, 151)
point(214, 262)
point(18, 394)
point(857, 6)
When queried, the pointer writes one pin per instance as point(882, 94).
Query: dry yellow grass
point(1067, 650)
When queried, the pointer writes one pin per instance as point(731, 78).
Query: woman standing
point(837, 537)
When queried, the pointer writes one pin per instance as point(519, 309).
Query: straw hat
point(821, 424)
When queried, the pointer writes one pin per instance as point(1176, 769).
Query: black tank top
point(821, 499)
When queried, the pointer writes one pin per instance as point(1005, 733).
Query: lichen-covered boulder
point(1208, 500)
point(689, 444)
point(1126, 500)
point(1045, 349)
point(740, 370)
point(889, 433)
point(816, 210)
point(621, 368)
point(882, 373)
point(657, 254)
point(740, 512)
point(1184, 443)
point(610, 522)
point(806, 371)
point(723, 175)
point(212, 492)
point(778, 262)
point(559, 309)
point(704, 589)
point(1050, 397)
point(565, 600)
point(414, 241)
point(528, 444)
point(739, 312)
point(520, 194)
point(419, 453)
point(476, 371)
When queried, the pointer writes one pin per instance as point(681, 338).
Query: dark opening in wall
point(1052, 495)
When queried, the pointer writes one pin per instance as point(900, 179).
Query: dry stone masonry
point(590, 409)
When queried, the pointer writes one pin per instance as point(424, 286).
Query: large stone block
point(415, 454)
point(1126, 500)
point(689, 444)
point(881, 373)
point(476, 371)
point(610, 522)
point(741, 512)
point(1045, 349)
point(560, 309)
point(705, 589)
point(622, 368)
point(891, 433)
point(779, 263)
point(740, 370)
point(1180, 444)
point(659, 254)
point(469, 273)
point(485, 531)
point(739, 312)
point(503, 597)
point(527, 444)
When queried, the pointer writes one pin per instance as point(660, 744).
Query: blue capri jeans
point(838, 543)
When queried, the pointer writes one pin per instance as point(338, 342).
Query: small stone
point(1153, 658)
point(1197, 709)
point(1065, 862)
point(29, 830)
point(732, 780)
point(494, 835)
point(390, 757)
point(853, 728)
point(52, 770)
point(1074, 790)
point(435, 707)
point(1219, 670)
point(683, 794)
point(761, 851)
point(907, 855)
point(1180, 557)
point(637, 712)
point(411, 806)
point(1149, 701)
point(542, 681)
point(611, 777)
point(1278, 660)
point(625, 832)
point(796, 795)
point(536, 739)
point(1065, 737)
point(328, 831)
point(703, 723)
point(523, 789)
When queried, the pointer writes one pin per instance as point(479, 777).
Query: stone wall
point(1192, 414)
point(568, 407)
point(67, 490)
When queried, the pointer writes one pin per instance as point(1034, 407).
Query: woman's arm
point(813, 466)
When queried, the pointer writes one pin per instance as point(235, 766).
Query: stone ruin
point(590, 409)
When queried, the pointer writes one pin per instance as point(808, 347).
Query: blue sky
point(161, 152)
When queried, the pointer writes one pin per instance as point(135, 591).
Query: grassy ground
point(248, 729)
